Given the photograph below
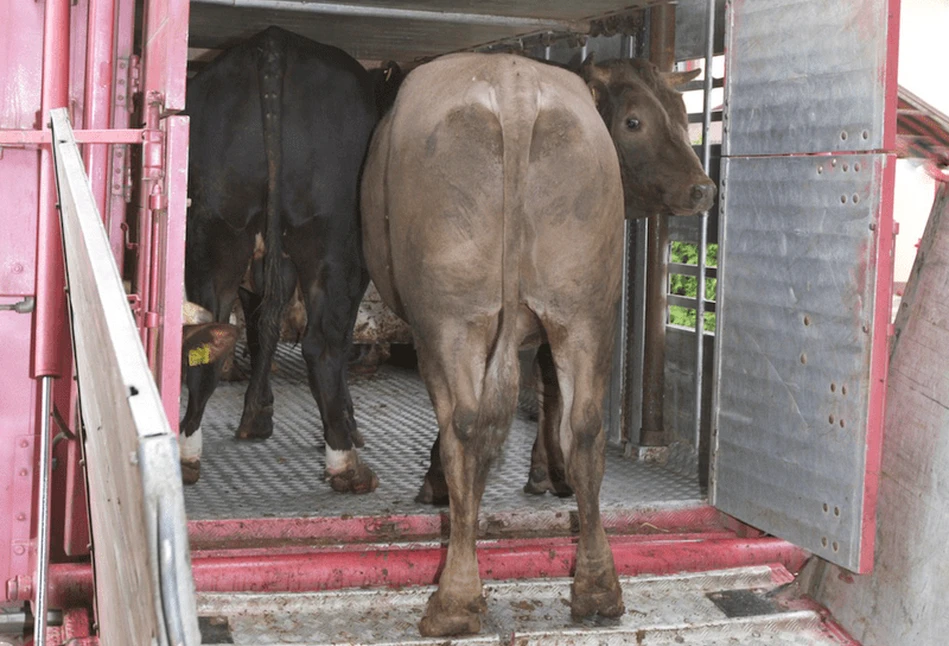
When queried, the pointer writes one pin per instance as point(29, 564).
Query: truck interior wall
point(900, 601)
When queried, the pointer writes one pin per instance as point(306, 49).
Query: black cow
point(279, 130)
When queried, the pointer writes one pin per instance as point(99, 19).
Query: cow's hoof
point(444, 617)
point(539, 483)
point(596, 595)
point(258, 428)
point(434, 491)
point(190, 471)
point(356, 479)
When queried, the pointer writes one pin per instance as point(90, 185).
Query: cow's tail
point(270, 74)
point(517, 114)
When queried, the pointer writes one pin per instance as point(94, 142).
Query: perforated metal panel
point(806, 76)
point(797, 301)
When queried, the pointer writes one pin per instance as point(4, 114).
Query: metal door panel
point(808, 76)
point(799, 323)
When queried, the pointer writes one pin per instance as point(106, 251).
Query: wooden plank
point(123, 421)
point(899, 602)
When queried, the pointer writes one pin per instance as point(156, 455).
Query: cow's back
point(434, 188)
point(327, 114)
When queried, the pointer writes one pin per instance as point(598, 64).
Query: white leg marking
point(189, 448)
point(339, 461)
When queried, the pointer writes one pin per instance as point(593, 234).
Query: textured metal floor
point(282, 477)
point(705, 609)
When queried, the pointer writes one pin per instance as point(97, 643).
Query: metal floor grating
point(282, 477)
point(702, 609)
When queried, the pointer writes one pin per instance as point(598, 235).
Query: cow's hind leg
point(257, 417)
point(547, 472)
point(581, 373)
point(471, 433)
point(332, 289)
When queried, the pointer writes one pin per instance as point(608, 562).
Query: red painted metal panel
point(168, 294)
point(93, 135)
point(396, 566)
point(18, 172)
point(166, 52)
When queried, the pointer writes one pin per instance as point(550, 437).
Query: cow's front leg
point(547, 472)
point(434, 489)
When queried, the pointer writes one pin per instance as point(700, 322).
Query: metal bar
point(691, 270)
point(97, 111)
point(688, 302)
point(359, 11)
point(42, 523)
point(49, 331)
point(87, 136)
point(703, 226)
point(662, 53)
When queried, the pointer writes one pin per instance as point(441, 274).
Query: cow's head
point(203, 341)
point(646, 117)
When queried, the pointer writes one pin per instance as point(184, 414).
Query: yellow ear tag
point(200, 356)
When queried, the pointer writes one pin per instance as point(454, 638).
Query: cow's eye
point(632, 123)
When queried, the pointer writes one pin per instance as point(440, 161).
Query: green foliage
point(687, 254)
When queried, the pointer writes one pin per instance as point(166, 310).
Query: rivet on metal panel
point(21, 516)
point(24, 472)
point(820, 169)
point(831, 419)
point(833, 162)
point(843, 390)
point(843, 199)
point(856, 167)
point(826, 507)
point(19, 550)
point(841, 422)
point(855, 198)
point(836, 546)
point(836, 511)
point(807, 320)
point(843, 135)
point(833, 387)
point(865, 134)
point(804, 357)
point(823, 541)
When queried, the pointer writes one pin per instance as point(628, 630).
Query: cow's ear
point(678, 79)
point(590, 71)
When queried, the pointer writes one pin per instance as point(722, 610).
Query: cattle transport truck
point(777, 476)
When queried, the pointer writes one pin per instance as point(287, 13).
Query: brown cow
point(492, 210)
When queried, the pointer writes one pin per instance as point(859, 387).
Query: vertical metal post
point(49, 330)
point(703, 222)
point(662, 53)
point(42, 524)
point(97, 104)
point(49, 320)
